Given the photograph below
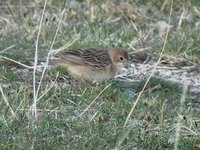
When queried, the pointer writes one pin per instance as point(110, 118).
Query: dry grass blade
point(95, 99)
point(155, 66)
point(66, 46)
point(48, 56)
point(7, 103)
point(34, 107)
point(45, 92)
point(17, 62)
point(178, 126)
point(10, 47)
point(36, 99)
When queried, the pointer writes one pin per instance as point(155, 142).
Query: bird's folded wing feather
point(93, 57)
point(72, 57)
point(96, 57)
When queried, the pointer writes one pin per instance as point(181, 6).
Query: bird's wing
point(96, 57)
point(70, 56)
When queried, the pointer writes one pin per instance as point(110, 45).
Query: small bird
point(92, 63)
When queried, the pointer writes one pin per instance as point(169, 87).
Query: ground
point(150, 110)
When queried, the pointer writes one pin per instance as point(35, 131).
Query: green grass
point(59, 124)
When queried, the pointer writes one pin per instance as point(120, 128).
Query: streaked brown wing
point(96, 57)
point(73, 56)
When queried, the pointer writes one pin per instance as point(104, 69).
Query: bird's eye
point(121, 58)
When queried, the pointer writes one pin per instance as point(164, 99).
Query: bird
point(92, 63)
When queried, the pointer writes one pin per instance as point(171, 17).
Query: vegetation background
point(54, 113)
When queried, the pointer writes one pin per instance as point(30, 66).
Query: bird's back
point(97, 58)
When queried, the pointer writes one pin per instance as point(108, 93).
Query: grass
point(59, 125)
